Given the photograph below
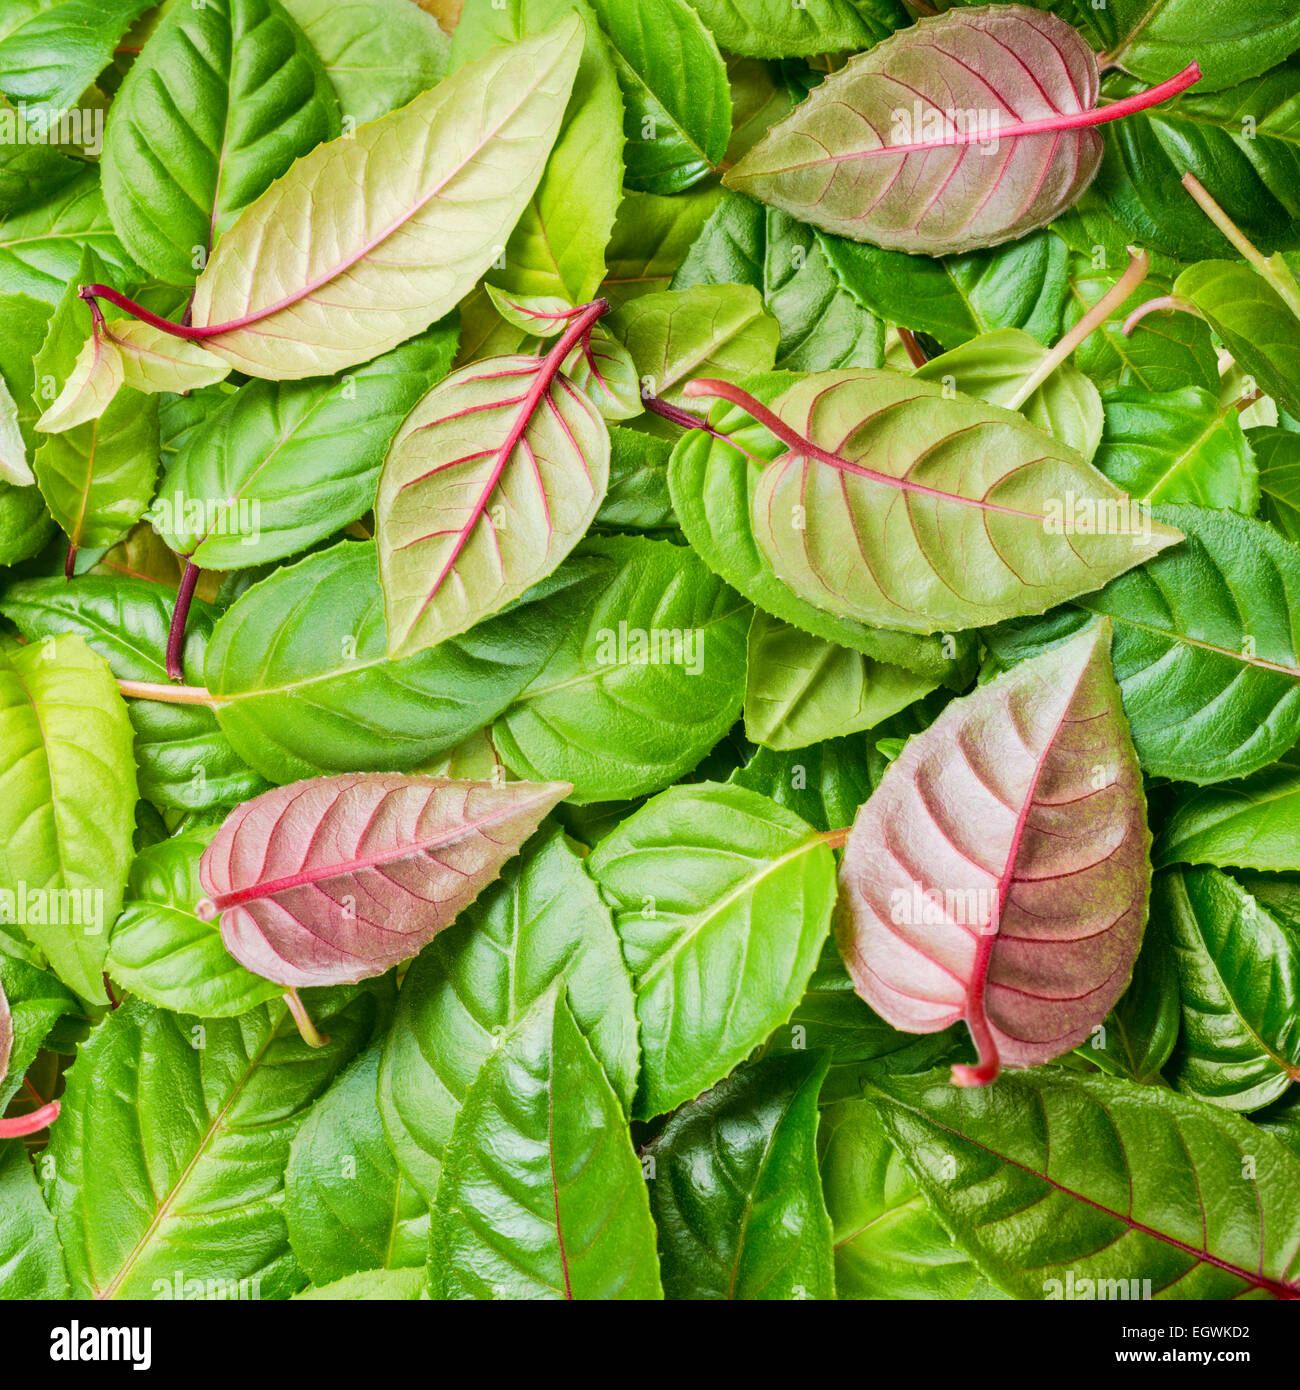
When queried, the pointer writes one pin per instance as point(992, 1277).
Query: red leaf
point(1000, 872)
point(335, 879)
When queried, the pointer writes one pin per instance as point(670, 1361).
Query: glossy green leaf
point(888, 1243)
point(1277, 455)
point(379, 54)
point(707, 330)
point(823, 784)
point(711, 483)
point(651, 237)
point(557, 245)
point(821, 324)
point(542, 920)
point(199, 1116)
point(161, 950)
point(430, 174)
point(1178, 446)
point(994, 367)
point(1253, 823)
point(677, 104)
point(1049, 1180)
point(282, 465)
point(722, 900)
point(303, 685)
point(221, 101)
point(52, 50)
point(1205, 647)
point(735, 1191)
point(25, 524)
point(347, 1206)
point(648, 678)
point(67, 803)
point(374, 1285)
point(1238, 974)
point(801, 689)
point(31, 1263)
point(637, 499)
point(542, 1195)
point(182, 757)
point(777, 29)
point(36, 1002)
point(29, 168)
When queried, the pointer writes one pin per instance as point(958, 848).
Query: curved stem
point(168, 694)
point(1152, 306)
point(914, 349)
point(1271, 268)
point(1138, 265)
point(180, 616)
point(91, 293)
point(310, 1034)
point(687, 420)
point(22, 1125)
point(70, 561)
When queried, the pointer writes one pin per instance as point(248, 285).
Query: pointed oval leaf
point(1050, 1179)
point(885, 150)
point(542, 1195)
point(31, 1263)
point(779, 29)
point(999, 873)
point(422, 201)
point(1253, 823)
point(338, 878)
point(493, 479)
point(901, 506)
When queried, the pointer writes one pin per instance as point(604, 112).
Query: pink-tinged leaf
point(1000, 872)
point(962, 131)
point(492, 480)
point(39, 1119)
point(335, 879)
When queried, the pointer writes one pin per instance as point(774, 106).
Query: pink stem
point(1152, 306)
point(177, 330)
point(180, 616)
point(70, 561)
point(22, 1125)
point(690, 421)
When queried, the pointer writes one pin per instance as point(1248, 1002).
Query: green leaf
point(15, 471)
point(50, 52)
point(1152, 38)
point(221, 101)
point(1256, 324)
point(722, 900)
point(468, 521)
point(303, 685)
point(707, 330)
point(677, 103)
point(300, 306)
point(1277, 454)
point(648, 678)
point(182, 756)
point(379, 54)
point(1021, 285)
point(1241, 144)
point(542, 920)
point(67, 803)
point(638, 498)
point(821, 324)
point(1178, 446)
point(1282, 1120)
point(199, 1117)
point(910, 524)
point(801, 689)
point(650, 239)
point(1139, 1033)
point(29, 168)
point(557, 246)
point(1250, 824)
point(823, 784)
point(994, 367)
point(161, 950)
point(31, 1263)
point(711, 483)
point(282, 465)
point(374, 1285)
point(1205, 647)
point(1239, 977)
point(36, 1003)
point(25, 524)
point(41, 246)
point(888, 1243)
point(1046, 1177)
point(735, 1191)
point(778, 29)
point(347, 1206)
point(542, 1195)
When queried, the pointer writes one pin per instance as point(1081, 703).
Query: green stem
point(1271, 268)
